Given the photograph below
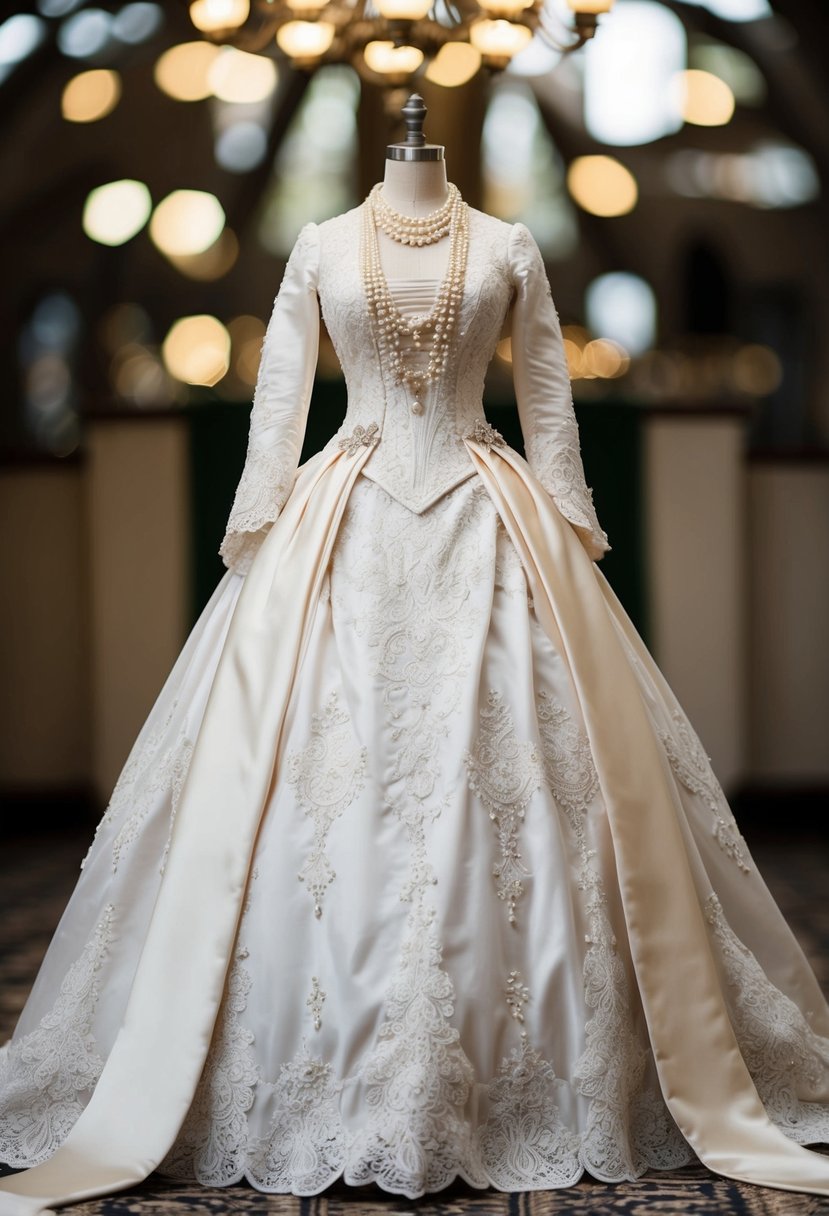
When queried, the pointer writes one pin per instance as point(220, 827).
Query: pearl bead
point(417, 407)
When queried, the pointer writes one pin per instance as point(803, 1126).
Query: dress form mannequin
point(414, 183)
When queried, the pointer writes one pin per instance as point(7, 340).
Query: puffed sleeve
point(542, 390)
point(280, 406)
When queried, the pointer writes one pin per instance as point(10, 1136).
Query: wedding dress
point(417, 869)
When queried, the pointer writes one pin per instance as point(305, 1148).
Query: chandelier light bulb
point(505, 8)
point(307, 7)
point(590, 7)
point(305, 41)
point(389, 60)
point(403, 10)
point(498, 41)
point(215, 16)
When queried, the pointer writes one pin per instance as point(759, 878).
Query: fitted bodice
point(419, 456)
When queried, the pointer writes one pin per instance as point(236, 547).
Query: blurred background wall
point(675, 173)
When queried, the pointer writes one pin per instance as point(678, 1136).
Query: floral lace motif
point(327, 776)
point(212, 1143)
point(568, 762)
point(504, 774)
point(525, 1142)
point(628, 1127)
point(418, 1079)
point(304, 1148)
point(784, 1055)
point(261, 494)
point(693, 768)
point(556, 462)
point(48, 1075)
point(151, 772)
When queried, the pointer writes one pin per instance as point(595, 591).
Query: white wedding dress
point(417, 869)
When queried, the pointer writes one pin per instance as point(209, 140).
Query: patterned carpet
point(36, 877)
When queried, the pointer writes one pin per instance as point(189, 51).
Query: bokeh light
point(704, 99)
point(388, 59)
point(183, 71)
point(247, 334)
point(628, 72)
point(137, 22)
point(197, 350)
point(454, 64)
point(85, 34)
point(19, 36)
point(187, 222)
point(622, 306)
point(499, 40)
point(305, 40)
point(602, 185)
point(91, 95)
point(115, 212)
point(241, 147)
point(215, 16)
point(213, 263)
point(237, 76)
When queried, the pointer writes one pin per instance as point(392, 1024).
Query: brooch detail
point(486, 435)
point(360, 437)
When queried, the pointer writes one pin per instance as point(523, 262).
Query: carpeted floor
point(36, 877)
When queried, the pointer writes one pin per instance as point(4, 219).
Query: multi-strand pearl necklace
point(414, 229)
point(431, 333)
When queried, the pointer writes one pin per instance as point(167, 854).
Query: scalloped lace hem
point(352, 1175)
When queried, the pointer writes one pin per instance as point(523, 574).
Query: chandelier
point(388, 41)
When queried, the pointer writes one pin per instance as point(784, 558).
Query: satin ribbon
point(151, 1074)
point(703, 1076)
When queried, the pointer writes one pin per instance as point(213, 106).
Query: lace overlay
point(212, 1144)
point(304, 1148)
point(629, 1128)
point(152, 772)
point(693, 768)
point(525, 1143)
point(47, 1076)
point(327, 776)
point(417, 1081)
point(556, 461)
point(505, 774)
point(785, 1057)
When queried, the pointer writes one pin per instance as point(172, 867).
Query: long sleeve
point(542, 390)
point(280, 406)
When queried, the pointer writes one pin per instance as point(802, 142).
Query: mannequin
point(414, 183)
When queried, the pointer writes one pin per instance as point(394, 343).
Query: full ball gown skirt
point(438, 959)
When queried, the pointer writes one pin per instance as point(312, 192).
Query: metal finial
point(414, 113)
point(414, 147)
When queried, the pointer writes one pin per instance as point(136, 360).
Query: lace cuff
point(280, 406)
point(542, 389)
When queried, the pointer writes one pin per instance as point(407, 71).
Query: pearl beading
point(413, 229)
point(431, 334)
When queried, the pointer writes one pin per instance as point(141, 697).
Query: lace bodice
point(416, 458)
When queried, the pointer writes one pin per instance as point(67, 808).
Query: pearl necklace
point(431, 333)
point(413, 229)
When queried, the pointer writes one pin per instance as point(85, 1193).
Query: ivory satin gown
point(417, 869)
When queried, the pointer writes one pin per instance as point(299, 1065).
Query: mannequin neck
point(415, 187)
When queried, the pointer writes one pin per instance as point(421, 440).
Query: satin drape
point(151, 1074)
